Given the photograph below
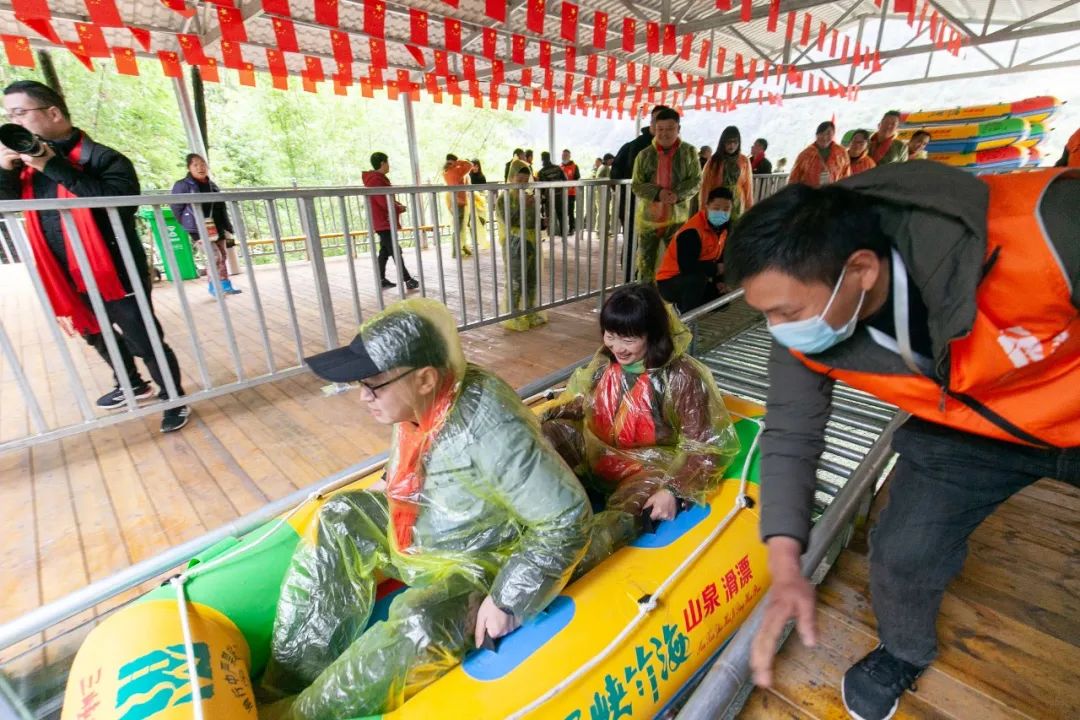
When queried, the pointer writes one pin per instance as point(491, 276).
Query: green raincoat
point(519, 295)
point(492, 510)
point(656, 222)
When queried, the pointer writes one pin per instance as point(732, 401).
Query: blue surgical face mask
point(718, 217)
point(814, 335)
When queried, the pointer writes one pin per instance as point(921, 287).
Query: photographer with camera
point(207, 223)
point(54, 159)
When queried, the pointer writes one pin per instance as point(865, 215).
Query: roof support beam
point(936, 4)
point(1038, 16)
point(989, 16)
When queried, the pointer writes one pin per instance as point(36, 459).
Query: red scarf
point(412, 443)
point(622, 418)
point(67, 303)
point(881, 148)
point(665, 177)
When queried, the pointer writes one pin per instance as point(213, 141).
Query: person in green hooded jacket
point(480, 518)
point(522, 289)
point(667, 175)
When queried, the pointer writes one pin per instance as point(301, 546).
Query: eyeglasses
point(19, 112)
point(372, 388)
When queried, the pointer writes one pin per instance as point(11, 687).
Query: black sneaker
point(387, 284)
point(115, 397)
point(412, 284)
point(872, 687)
point(175, 418)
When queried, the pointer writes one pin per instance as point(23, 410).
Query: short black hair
point(865, 133)
point(637, 310)
point(891, 113)
point(566, 149)
point(524, 170)
point(192, 157)
point(545, 156)
point(41, 93)
point(377, 159)
point(667, 114)
point(763, 143)
point(808, 233)
point(917, 133)
point(451, 157)
point(518, 151)
point(720, 192)
point(608, 156)
point(658, 108)
point(822, 127)
point(528, 152)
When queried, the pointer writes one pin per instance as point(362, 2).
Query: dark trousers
point(571, 218)
point(386, 251)
point(626, 221)
point(687, 292)
point(945, 484)
point(134, 341)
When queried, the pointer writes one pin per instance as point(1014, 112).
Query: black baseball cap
point(397, 337)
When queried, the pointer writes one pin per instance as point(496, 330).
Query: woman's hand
point(662, 504)
point(493, 622)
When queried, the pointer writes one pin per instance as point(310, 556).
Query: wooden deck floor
point(1009, 629)
point(79, 509)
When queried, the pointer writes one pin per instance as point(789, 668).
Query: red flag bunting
point(652, 37)
point(806, 27)
point(468, 67)
point(723, 5)
point(452, 29)
point(374, 18)
point(669, 42)
point(232, 55)
point(545, 54)
point(326, 13)
point(847, 45)
point(31, 10)
point(308, 84)
point(832, 45)
point(377, 52)
point(599, 33)
point(313, 67)
point(417, 54)
point(517, 49)
point(740, 71)
point(570, 58)
point(790, 32)
point(18, 51)
point(747, 10)
point(774, 15)
point(496, 10)
point(903, 6)
point(491, 41)
point(340, 87)
point(568, 26)
point(629, 34)
point(441, 67)
point(339, 41)
point(526, 77)
point(631, 73)
point(79, 51)
point(92, 40)
point(192, 49)
point(126, 64)
point(104, 13)
point(247, 75)
point(752, 74)
point(232, 24)
point(721, 55)
point(706, 50)
point(687, 46)
point(511, 97)
point(431, 83)
point(275, 61)
point(285, 34)
point(141, 36)
point(498, 72)
point(418, 26)
point(823, 32)
point(170, 64)
point(534, 17)
point(43, 28)
point(179, 7)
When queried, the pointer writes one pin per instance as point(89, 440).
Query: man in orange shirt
point(689, 273)
point(456, 172)
point(1071, 156)
point(571, 171)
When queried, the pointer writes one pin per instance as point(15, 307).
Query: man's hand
point(492, 621)
point(38, 163)
point(792, 596)
point(668, 197)
point(9, 159)
point(663, 505)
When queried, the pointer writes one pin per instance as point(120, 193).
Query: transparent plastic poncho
point(476, 504)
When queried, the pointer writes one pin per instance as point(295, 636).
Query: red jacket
point(380, 218)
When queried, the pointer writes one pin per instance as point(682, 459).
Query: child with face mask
point(690, 272)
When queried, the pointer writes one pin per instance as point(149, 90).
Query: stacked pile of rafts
point(983, 138)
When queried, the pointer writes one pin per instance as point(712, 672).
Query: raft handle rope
point(647, 603)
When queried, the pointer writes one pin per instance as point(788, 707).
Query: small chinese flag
point(104, 13)
point(232, 55)
point(275, 62)
point(511, 97)
point(599, 32)
point(790, 32)
point(126, 64)
point(517, 49)
point(526, 77)
point(170, 64)
point(308, 84)
point(806, 26)
point(179, 6)
point(904, 6)
point(247, 75)
point(141, 36)
point(706, 50)
point(545, 54)
point(721, 56)
point(286, 35)
point(209, 71)
point(93, 40)
point(590, 65)
point(534, 17)
point(313, 68)
point(79, 52)
point(417, 54)
point(452, 27)
point(18, 51)
point(747, 10)
point(652, 37)
point(669, 46)
point(375, 18)
point(568, 28)
point(339, 41)
point(774, 15)
point(418, 26)
point(340, 86)
point(31, 10)
point(441, 67)
point(723, 5)
point(192, 49)
point(611, 62)
point(377, 50)
point(491, 41)
point(344, 73)
point(740, 71)
point(232, 24)
point(631, 72)
point(468, 67)
point(495, 9)
point(498, 72)
point(823, 32)
point(326, 13)
point(687, 46)
point(629, 34)
point(277, 7)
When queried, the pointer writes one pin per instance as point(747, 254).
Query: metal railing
point(766, 185)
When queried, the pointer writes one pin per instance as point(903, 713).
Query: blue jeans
point(945, 484)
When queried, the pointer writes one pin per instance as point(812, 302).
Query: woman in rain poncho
point(643, 424)
point(729, 168)
point(480, 518)
point(519, 295)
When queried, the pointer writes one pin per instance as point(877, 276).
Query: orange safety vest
point(712, 245)
point(1016, 375)
point(1073, 148)
point(622, 421)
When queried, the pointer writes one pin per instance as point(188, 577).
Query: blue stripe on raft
point(668, 531)
point(962, 146)
point(520, 644)
point(381, 609)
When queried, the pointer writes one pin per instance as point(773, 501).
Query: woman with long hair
point(729, 168)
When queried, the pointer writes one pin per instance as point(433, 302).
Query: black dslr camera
point(17, 138)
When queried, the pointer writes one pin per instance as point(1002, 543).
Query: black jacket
point(623, 167)
point(190, 216)
point(104, 173)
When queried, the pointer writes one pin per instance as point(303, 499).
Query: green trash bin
point(178, 237)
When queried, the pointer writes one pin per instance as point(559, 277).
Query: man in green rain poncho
point(667, 175)
point(519, 295)
point(480, 518)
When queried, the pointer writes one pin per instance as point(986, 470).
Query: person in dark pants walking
point(206, 219)
point(953, 297)
point(381, 219)
point(74, 166)
point(623, 169)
